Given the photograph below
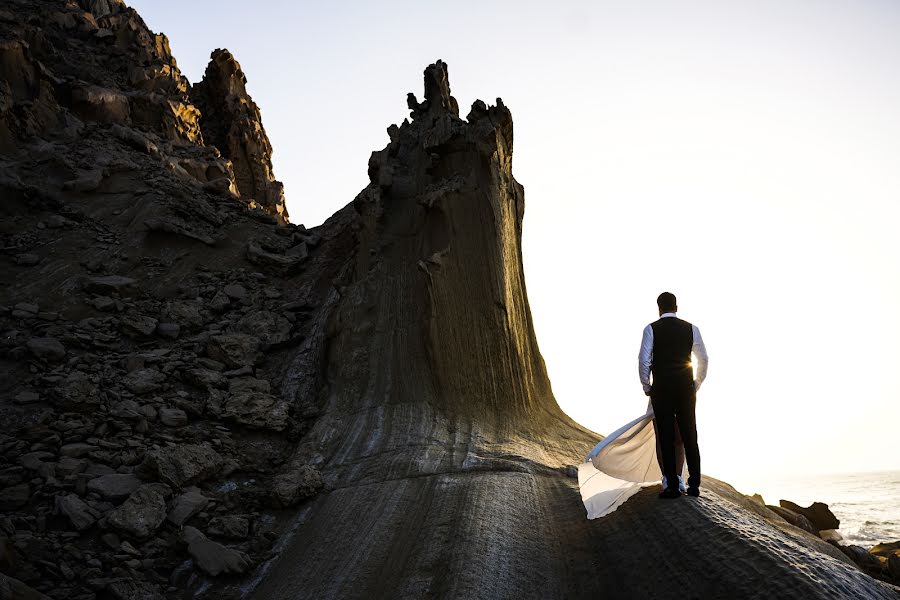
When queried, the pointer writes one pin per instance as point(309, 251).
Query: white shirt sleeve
point(645, 357)
point(699, 350)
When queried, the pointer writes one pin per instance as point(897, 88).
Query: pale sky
point(743, 156)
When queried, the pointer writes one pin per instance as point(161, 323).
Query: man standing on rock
point(666, 350)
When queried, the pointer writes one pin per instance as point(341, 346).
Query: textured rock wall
point(231, 121)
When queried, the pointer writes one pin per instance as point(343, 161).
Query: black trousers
point(671, 405)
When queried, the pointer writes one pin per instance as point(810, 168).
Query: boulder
point(300, 483)
point(138, 326)
point(186, 463)
point(229, 526)
point(46, 348)
point(885, 549)
point(206, 378)
point(235, 291)
point(235, 350)
point(817, 513)
point(144, 381)
point(256, 409)
point(212, 557)
point(186, 506)
point(893, 567)
point(862, 557)
point(794, 519)
point(77, 392)
point(272, 328)
point(115, 487)
point(831, 535)
point(79, 514)
point(144, 511)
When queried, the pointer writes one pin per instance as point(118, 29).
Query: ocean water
point(867, 504)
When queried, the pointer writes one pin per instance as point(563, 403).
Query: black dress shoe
point(693, 491)
point(670, 493)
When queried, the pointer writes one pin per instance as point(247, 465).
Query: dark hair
point(666, 302)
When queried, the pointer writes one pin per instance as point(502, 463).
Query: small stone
point(79, 513)
point(46, 348)
point(235, 292)
point(110, 539)
point(104, 303)
point(26, 397)
point(173, 417)
point(68, 466)
point(115, 487)
point(235, 350)
point(229, 526)
point(144, 381)
point(126, 409)
point(206, 378)
point(212, 557)
point(186, 506)
point(220, 302)
point(56, 221)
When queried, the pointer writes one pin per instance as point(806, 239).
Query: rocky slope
point(202, 399)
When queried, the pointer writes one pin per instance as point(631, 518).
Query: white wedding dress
point(619, 466)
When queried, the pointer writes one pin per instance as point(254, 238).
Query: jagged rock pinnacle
point(231, 121)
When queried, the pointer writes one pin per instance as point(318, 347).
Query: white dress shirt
point(645, 358)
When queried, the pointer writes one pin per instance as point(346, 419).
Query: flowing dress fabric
point(619, 466)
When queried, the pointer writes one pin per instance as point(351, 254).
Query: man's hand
point(696, 386)
point(646, 389)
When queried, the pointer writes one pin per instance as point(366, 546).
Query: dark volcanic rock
point(187, 463)
point(144, 511)
point(378, 375)
point(817, 513)
point(212, 557)
point(115, 487)
point(231, 121)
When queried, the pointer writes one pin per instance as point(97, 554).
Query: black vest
point(673, 339)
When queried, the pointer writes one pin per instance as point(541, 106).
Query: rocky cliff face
point(201, 400)
point(75, 71)
point(230, 120)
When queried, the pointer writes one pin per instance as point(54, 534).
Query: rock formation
point(230, 120)
point(201, 400)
